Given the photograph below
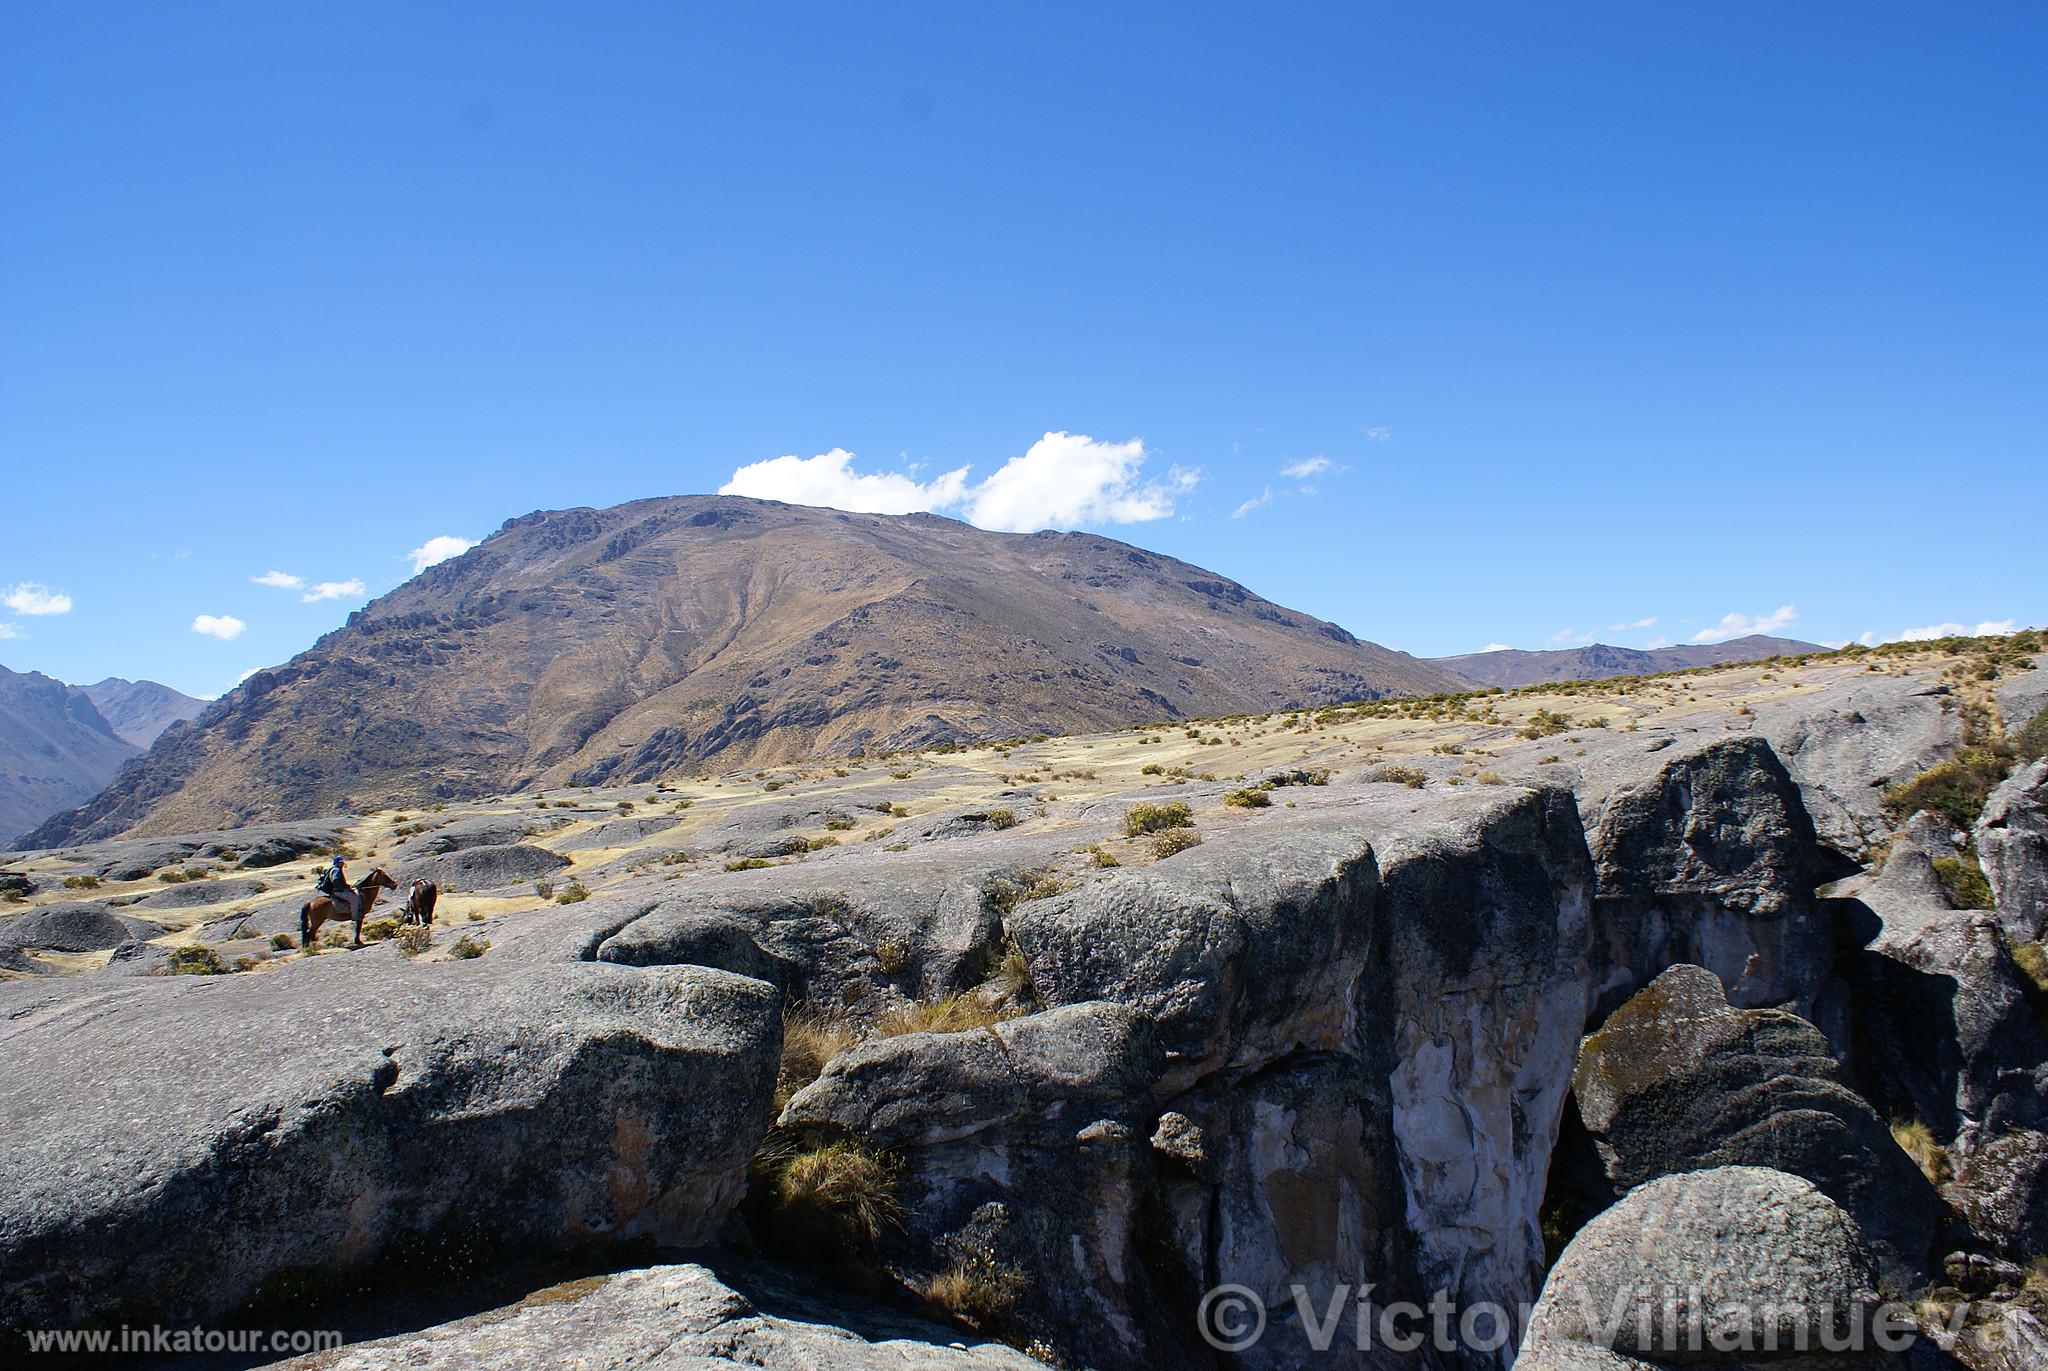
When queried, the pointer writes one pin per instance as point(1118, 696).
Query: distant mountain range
point(59, 746)
point(586, 646)
point(1510, 667)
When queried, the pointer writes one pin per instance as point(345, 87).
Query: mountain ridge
point(56, 749)
point(1509, 667)
point(588, 645)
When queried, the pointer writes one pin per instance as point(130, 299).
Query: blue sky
point(1577, 316)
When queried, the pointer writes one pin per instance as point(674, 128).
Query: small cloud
point(1650, 622)
point(8, 631)
point(1379, 434)
point(282, 580)
point(225, 627)
point(1570, 635)
point(1742, 625)
point(437, 550)
point(246, 675)
point(1994, 628)
point(1309, 468)
point(1259, 501)
point(1496, 647)
point(31, 597)
point(333, 590)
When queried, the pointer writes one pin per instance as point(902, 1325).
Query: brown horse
point(321, 908)
point(420, 897)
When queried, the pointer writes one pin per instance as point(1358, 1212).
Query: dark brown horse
point(321, 908)
point(420, 898)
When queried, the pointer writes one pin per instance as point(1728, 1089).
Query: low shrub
point(572, 893)
point(1412, 777)
point(194, 961)
point(748, 864)
point(977, 1288)
point(377, 930)
point(1175, 840)
point(1545, 722)
point(1141, 819)
point(1001, 818)
point(283, 942)
point(1248, 797)
point(465, 948)
point(81, 883)
point(1954, 788)
point(837, 1198)
point(837, 823)
point(414, 939)
point(892, 955)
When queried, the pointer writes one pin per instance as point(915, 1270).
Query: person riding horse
point(333, 883)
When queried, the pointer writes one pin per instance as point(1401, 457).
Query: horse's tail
point(305, 923)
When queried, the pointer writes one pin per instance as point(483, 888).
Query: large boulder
point(677, 1318)
point(1712, 862)
point(2001, 1190)
point(2012, 847)
point(346, 1113)
point(1743, 1258)
point(1677, 1080)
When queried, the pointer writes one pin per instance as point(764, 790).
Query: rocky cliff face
point(624, 644)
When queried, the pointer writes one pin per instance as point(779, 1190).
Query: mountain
point(1510, 667)
point(140, 710)
point(590, 645)
point(56, 750)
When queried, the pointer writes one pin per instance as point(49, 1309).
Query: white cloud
point(437, 550)
point(333, 590)
point(1570, 635)
point(1064, 480)
point(247, 674)
point(1742, 625)
point(1496, 647)
point(1259, 501)
point(282, 580)
point(1995, 628)
point(1067, 479)
point(8, 631)
point(1379, 433)
point(1308, 468)
point(221, 626)
point(828, 479)
point(31, 597)
point(1650, 622)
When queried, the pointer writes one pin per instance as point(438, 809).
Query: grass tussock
point(1917, 1141)
point(810, 1041)
point(953, 1014)
point(977, 1289)
point(837, 1198)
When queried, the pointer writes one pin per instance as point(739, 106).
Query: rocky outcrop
point(359, 1119)
point(1732, 1267)
point(2012, 847)
point(73, 928)
point(1679, 1080)
point(2001, 1191)
point(486, 868)
point(1850, 742)
point(673, 1317)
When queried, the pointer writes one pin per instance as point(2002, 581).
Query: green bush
point(1248, 797)
point(414, 939)
point(377, 930)
point(466, 947)
point(1412, 777)
point(1544, 722)
point(1175, 840)
point(81, 883)
point(2031, 742)
point(748, 864)
point(1146, 818)
point(1962, 881)
point(1001, 818)
point(572, 893)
